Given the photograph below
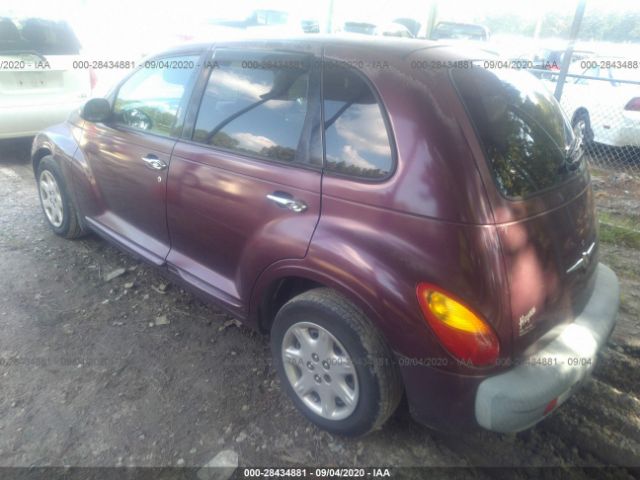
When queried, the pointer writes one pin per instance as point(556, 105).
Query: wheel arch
point(278, 285)
point(278, 291)
point(38, 155)
point(580, 111)
point(60, 143)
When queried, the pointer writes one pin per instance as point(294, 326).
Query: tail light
point(633, 105)
point(461, 331)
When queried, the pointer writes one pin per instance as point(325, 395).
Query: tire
point(355, 350)
point(581, 120)
point(59, 211)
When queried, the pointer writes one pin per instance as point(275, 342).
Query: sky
point(101, 23)
point(314, 8)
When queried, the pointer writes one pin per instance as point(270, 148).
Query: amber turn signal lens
point(461, 331)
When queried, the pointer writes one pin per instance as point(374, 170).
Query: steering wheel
point(137, 118)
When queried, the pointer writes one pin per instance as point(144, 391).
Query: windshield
point(37, 35)
point(529, 144)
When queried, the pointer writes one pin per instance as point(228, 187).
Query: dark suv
point(397, 218)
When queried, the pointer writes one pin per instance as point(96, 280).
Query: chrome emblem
point(585, 259)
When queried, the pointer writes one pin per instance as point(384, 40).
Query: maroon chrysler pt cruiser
point(399, 219)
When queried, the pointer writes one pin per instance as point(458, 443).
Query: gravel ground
point(135, 371)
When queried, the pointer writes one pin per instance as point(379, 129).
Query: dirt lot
point(135, 371)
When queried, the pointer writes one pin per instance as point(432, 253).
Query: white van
point(41, 76)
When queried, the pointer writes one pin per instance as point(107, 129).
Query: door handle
point(283, 200)
point(154, 162)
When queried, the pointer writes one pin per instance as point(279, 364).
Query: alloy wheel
point(51, 198)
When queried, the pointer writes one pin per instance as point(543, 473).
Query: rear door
point(538, 184)
point(129, 156)
point(244, 186)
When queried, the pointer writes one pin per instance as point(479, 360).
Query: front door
point(129, 156)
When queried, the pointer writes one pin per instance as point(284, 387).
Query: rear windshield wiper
point(24, 52)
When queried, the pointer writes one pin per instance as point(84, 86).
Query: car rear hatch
point(39, 63)
point(535, 171)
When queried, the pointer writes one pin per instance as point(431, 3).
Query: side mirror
point(96, 110)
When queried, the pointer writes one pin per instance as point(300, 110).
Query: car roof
point(384, 46)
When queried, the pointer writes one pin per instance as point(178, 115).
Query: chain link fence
point(603, 105)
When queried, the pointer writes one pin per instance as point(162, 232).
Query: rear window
point(37, 35)
point(528, 142)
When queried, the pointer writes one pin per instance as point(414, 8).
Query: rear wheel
point(333, 364)
point(59, 211)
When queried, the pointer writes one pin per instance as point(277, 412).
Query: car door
point(128, 157)
point(244, 185)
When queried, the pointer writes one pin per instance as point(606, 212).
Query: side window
point(356, 138)
point(150, 99)
point(256, 105)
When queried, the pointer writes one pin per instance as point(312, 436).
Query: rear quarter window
point(528, 142)
point(356, 137)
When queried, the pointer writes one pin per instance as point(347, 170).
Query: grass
point(619, 230)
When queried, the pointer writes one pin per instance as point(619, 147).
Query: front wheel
point(333, 364)
point(59, 211)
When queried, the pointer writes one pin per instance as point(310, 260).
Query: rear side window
point(356, 137)
point(44, 37)
point(255, 104)
point(528, 142)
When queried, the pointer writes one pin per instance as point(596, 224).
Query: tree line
point(596, 25)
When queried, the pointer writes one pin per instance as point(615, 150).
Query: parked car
point(366, 28)
point(393, 29)
point(548, 57)
point(310, 25)
point(460, 31)
point(437, 239)
point(552, 58)
point(268, 21)
point(412, 25)
point(389, 29)
point(602, 107)
point(40, 83)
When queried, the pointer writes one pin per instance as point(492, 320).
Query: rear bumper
point(520, 397)
point(517, 399)
point(28, 120)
